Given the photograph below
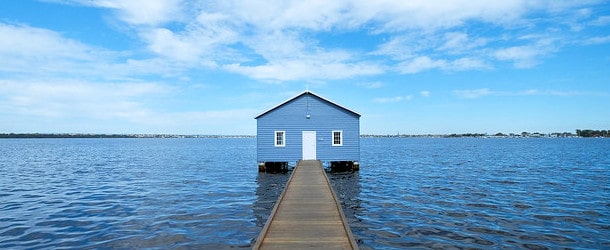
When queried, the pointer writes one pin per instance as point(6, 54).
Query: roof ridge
point(304, 93)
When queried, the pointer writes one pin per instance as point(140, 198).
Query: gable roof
point(307, 92)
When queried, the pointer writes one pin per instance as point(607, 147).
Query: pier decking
point(307, 214)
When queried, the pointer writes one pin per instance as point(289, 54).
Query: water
point(128, 193)
point(206, 193)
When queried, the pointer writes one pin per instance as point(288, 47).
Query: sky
point(209, 67)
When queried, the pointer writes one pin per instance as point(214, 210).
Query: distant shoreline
point(474, 136)
point(84, 135)
point(579, 133)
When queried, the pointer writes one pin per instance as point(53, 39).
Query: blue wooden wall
point(324, 118)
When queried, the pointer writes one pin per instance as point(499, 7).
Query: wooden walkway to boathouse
point(307, 214)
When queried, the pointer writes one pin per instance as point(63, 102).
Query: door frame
point(308, 145)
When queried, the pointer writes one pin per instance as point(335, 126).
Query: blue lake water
point(206, 193)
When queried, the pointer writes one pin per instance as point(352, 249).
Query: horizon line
point(170, 135)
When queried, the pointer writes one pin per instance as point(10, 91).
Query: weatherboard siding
point(325, 117)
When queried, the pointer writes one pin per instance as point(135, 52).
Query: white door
point(309, 145)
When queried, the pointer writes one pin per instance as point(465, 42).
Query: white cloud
point(126, 107)
point(459, 42)
point(477, 93)
point(58, 98)
point(136, 67)
point(454, 40)
point(527, 56)
point(167, 44)
point(280, 40)
point(262, 39)
point(304, 69)
point(400, 47)
point(597, 40)
point(473, 93)
point(35, 52)
point(371, 85)
point(209, 117)
point(523, 56)
point(415, 54)
point(393, 99)
point(601, 21)
point(468, 63)
point(430, 15)
point(564, 93)
point(23, 48)
point(272, 41)
point(140, 12)
point(383, 16)
point(314, 15)
point(523, 93)
point(25, 41)
point(423, 63)
point(419, 64)
point(275, 30)
point(205, 37)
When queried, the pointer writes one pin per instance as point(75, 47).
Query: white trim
point(275, 138)
point(332, 135)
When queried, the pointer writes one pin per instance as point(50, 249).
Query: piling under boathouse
point(308, 127)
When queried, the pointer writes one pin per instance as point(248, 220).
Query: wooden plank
point(307, 215)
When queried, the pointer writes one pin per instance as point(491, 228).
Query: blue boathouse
point(308, 127)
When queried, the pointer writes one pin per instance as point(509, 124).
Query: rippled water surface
point(128, 193)
point(481, 193)
point(206, 193)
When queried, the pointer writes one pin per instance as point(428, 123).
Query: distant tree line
point(465, 135)
point(579, 133)
point(78, 135)
point(50, 135)
point(592, 133)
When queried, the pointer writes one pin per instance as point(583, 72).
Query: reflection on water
point(268, 191)
point(347, 188)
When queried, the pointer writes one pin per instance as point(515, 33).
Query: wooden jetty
point(307, 214)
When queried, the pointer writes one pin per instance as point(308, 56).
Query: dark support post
point(343, 166)
point(273, 167)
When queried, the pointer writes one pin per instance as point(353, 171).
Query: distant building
point(308, 127)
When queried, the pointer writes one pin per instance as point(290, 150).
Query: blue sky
point(209, 67)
